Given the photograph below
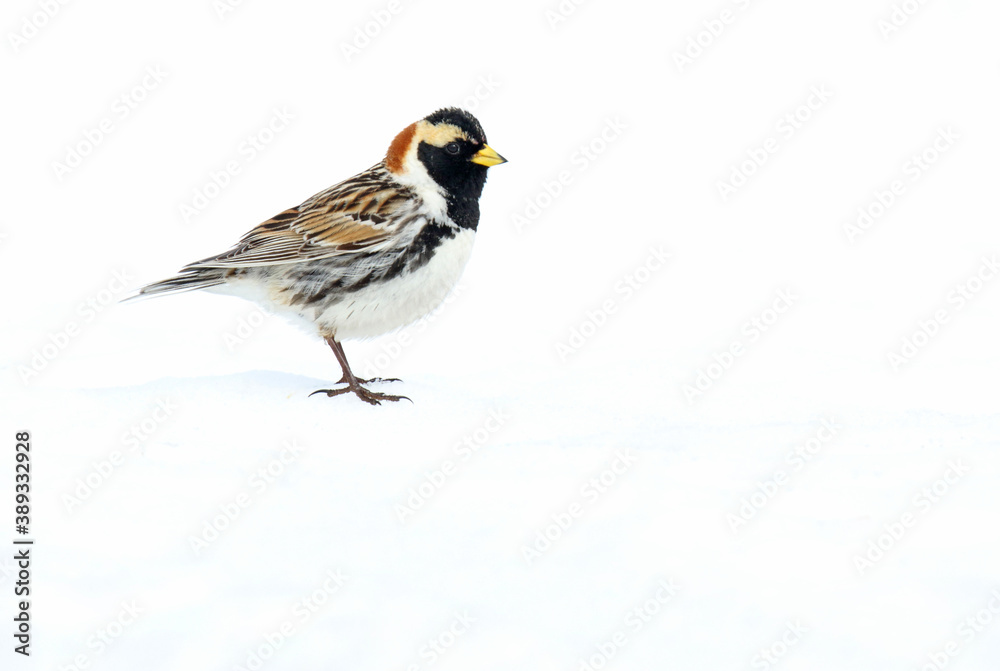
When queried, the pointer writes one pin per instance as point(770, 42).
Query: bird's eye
point(452, 148)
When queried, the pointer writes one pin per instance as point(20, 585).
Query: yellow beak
point(486, 156)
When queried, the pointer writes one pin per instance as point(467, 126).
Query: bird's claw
point(366, 395)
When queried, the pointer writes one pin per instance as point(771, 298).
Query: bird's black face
point(452, 147)
point(452, 167)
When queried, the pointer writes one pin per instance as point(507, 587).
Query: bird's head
point(449, 146)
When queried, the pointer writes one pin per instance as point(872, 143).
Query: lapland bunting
point(371, 254)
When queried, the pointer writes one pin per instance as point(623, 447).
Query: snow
point(691, 396)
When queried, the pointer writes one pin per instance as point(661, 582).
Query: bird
point(370, 254)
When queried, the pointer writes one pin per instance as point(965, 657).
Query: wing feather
point(362, 214)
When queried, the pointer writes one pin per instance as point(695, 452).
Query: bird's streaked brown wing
point(360, 215)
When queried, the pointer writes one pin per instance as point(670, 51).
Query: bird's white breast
point(385, 306)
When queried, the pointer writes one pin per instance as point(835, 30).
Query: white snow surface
point(607, 464)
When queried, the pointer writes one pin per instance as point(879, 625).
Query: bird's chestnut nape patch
point(396, 155)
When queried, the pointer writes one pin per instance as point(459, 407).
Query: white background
point(542, 334)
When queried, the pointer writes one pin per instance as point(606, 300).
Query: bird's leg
point(353, 383)
point(338, 349)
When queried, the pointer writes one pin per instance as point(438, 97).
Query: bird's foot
point(366, 395)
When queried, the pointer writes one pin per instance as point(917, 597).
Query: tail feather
point(186, 281)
